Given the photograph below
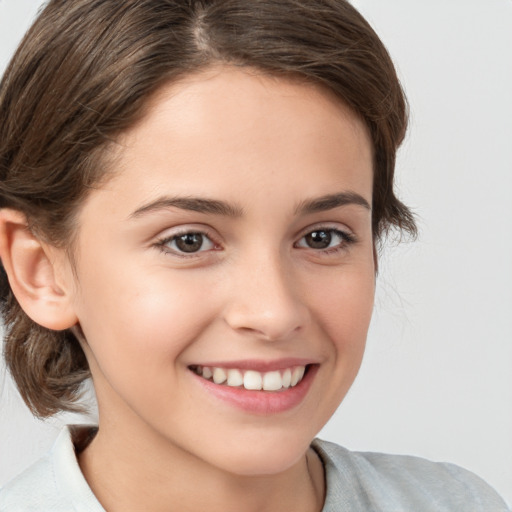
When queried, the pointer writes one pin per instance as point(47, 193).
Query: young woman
point(192, 193)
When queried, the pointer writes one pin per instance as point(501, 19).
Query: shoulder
point(54, 483)
point(33, 488)
point(379, 482)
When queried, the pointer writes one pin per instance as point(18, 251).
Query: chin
point(265, 464)
point(265, 455)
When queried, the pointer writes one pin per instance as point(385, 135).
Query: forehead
point(228, 126)
point(224, 96)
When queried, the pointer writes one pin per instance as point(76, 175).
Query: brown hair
point(83, 74)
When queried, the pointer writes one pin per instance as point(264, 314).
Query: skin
point(256, 292)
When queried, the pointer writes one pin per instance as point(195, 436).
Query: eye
point(187, 243)
point(325, 238)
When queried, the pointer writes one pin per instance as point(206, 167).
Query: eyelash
point(347, 239)
point(163, 243)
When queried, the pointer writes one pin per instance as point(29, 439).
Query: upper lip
point(258, 364)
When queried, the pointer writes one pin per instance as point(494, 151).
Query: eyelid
point(172, 233)
point(169, 235)
point(344, 232)
point(327, 226)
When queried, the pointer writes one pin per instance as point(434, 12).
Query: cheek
point(141, 321)
point(346, 303)
point(136, 329)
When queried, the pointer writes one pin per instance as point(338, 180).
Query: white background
point(437, 377)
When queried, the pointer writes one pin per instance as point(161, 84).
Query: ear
point(36, 273)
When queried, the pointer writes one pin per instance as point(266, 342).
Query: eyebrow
point(217, 207)
point(331, 201)
point(195, 204)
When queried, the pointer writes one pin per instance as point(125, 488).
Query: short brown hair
point(83, 74)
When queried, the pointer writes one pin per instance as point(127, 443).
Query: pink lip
point(260, 402)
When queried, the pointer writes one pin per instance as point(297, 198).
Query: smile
point(252, 380)
point(255, 387)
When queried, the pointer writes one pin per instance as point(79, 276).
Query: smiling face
point(234, 242)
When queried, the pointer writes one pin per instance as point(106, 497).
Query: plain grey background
point(437, 376)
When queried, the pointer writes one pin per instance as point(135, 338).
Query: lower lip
point(261, 402)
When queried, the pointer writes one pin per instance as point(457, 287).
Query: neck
point(131, 471)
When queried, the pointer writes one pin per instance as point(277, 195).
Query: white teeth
point(252, 380)
point(297, 375)
point(235, 378)
point(287, 378)
point(219, 376)
point(272, 381)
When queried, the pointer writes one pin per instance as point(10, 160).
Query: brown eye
point(322, 239)
point(318, 239)
point(190, 243)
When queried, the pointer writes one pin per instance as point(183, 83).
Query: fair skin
point(272, 180)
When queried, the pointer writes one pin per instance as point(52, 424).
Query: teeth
point(297, 375)
point(219, 375)
point(253, 380)
point(235, 378)
point(272, 381)
point(287, 378)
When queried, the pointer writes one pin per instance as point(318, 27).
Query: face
point(233, 242)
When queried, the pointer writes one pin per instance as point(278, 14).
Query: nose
point(264, 300)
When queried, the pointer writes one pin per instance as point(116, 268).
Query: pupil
point(190, 242)
point(319, 239)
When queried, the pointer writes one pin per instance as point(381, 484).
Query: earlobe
point(33, 274)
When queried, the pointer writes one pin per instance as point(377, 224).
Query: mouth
point(262, 388)
point(252, 380)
